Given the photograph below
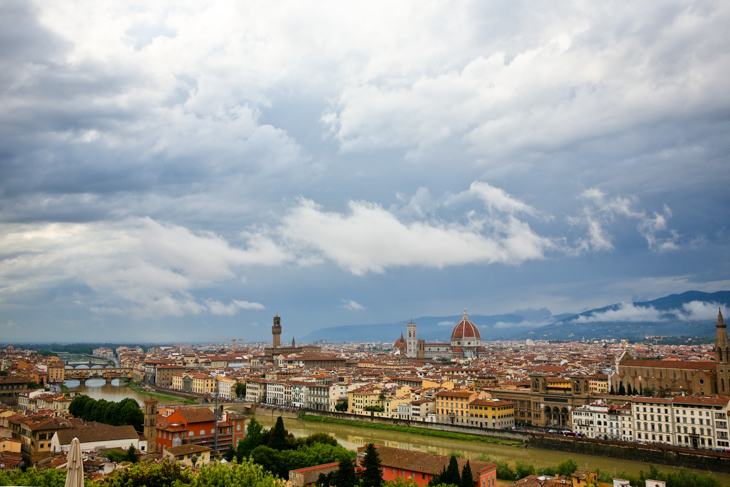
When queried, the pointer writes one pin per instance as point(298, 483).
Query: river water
point(116, 391)
point(353, 437)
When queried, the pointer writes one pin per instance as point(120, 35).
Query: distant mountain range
point(692, 313)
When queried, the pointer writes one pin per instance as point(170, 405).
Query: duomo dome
point(465, 330)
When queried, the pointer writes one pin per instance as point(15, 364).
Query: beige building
point(185, 454)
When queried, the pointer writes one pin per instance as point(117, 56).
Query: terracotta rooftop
point(425, 462)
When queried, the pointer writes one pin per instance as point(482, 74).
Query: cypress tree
point(277, 440)
point(629, 390)
point(345, 475)
point(466, 478)
point(451, 475)
point(372, 476)
point(621, 389)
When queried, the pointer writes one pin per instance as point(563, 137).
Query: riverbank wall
point(650, 454)
point(467, 430)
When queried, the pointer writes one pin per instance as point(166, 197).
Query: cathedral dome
point(465, 330)
point(401, 342)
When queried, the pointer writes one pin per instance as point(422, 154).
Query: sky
point(173, 171)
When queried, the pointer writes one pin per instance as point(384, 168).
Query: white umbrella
point(75, 466)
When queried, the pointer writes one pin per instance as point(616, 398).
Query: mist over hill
point(691, 313)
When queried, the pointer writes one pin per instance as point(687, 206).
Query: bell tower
point(276, 332)
point(722, 356)
point(412, 341)
point(150, 424)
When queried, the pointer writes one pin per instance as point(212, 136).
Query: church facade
point(466, 341)
point(678, 377)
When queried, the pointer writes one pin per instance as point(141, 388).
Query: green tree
point(254, 437)
point(523, 470)
point(504, 472)
point(373, 475)
point(277, 439)
point(324, 480)
point(270, 460)
point(45, 478)
point(132, 456)
point(316, 439)
point(567, 467)
point(629, 390)
point(150, 475)
point(345, 476)
point(621, 389)
point(341, 406)
point(401, 482)
point(467, 480)
point(240, 390)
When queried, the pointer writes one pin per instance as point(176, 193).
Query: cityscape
point(666, 401)
point(364, 244)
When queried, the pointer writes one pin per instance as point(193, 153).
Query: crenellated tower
point(276, 332)
point(722, 356)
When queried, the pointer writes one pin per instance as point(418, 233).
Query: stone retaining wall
point(676, 457)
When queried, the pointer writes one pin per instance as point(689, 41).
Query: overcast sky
point(178, 170)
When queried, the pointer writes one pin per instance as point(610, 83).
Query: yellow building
point(56, 370)
point(599, 384)
point(363, 397)
point(203, 384)
point(584, 478)
point(452, 407)
point(491, 413)
point(559, 384)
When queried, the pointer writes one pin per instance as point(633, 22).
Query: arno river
point(353, 437)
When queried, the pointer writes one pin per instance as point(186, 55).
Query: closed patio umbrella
point(75, 467)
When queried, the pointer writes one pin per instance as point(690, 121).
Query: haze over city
point(189, 169)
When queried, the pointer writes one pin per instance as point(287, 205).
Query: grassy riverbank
point(412, 430)
point(136, 386)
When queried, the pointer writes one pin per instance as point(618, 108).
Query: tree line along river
point(352, 437)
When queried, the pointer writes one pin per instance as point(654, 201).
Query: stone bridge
point(108, 373)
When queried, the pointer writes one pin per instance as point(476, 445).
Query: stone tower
point(412, 350)
point(276, 332)
point(722, 357)
point(150, 424)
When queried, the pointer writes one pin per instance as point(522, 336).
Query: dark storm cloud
point(510, 154)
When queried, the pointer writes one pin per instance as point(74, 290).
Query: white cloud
point(521, 324)
point(371, 239)
point(699, 311)
point(624, 312)
point(141, 266)
point(9, 325)
point(600, 211)
point(497, 199)
point(353, 305)
point(445, 323)
point(218, 308)
point(693, 311)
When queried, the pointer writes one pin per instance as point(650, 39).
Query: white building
point(98, 436)
point(688, 421)
point(597, 420)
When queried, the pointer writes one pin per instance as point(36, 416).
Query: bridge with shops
point(108, 373)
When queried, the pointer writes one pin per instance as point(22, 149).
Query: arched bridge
point(108, 373)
